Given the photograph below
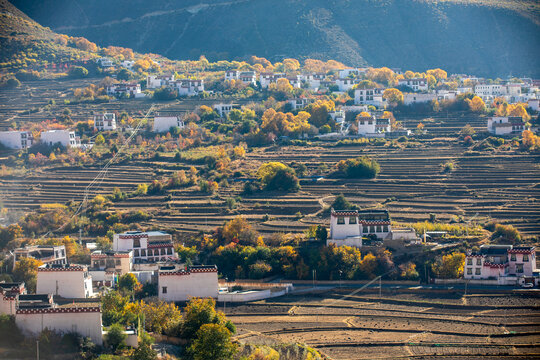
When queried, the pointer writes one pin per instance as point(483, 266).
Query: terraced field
point(399, 325)
point(502, 186)
point(411, 185)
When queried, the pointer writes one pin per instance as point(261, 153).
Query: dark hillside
point(487, 38)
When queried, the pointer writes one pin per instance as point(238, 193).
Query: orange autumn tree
point(476, 104)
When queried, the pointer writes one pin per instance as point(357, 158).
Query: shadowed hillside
point(488, 38)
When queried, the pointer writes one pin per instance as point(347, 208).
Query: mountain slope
point(488, 38)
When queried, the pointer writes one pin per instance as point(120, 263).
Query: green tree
point(341, 203)
point(10, 334)
point(100, 140)
point(128, 283)
point(197, 313)
point(124, 74)
point(116, 337)
point(360, 168)
point(449, 266)
point(26, 270)
point(78, 72)
point(213, 342)
point(277, 176)
point(144, 351)
point(13, 83)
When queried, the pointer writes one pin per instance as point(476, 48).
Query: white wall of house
point(16, 139)
point(72, 282)
point(105, 122)
point(65, 137)
point(181, 286)
point(369, 97)
point(534, 104)
point(345, 84)
point(413, 98)
point(224, 109)
point(417, 84)
point(164, 123)
point(8, 305)
point(84, 321)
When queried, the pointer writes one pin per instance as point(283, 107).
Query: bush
point(77, 72)
point(360, 168)
point(13, 83)
point(277, 176)
point(506, 234)
point(10, 334)
point(165, 93)
point(116, 337)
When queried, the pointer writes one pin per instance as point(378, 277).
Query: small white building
point(347, 227)
point(83, 320)
point(47, 254)
point(151, 246)
point(345, 84)
point(416, 84)
point(165, 123)
point(270, 78)
point(128, 64)
point(181, 285)
point(66, 138)
point(299, 103)
point(187, 87)
point(224, 109)
point(105, 62)
point(534, 104)
point(506, 125)
point(157, 81)
point(489, 90)
point(68, 281)
point(347, 72)
point(128, 89)
point(372, 96)
point(16, 139)
point(247, 77)
point(507, 263)
point(370, 126)
point(9, 293)
point(105, 122)
point(415, 98)
point(311, 81)
point(464, 90)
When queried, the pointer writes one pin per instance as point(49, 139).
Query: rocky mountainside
point(483, 37)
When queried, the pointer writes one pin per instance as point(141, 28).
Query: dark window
point(341, 220)
point(513, 257)
point(525, 258)
point(478, 271)
point(136, 243)
point(469, 271)
point(519, 268)
point(163, 289)
point(478, 261)
point(352, 220)
point(469, 261)
point(117, 262)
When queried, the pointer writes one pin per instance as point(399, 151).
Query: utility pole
point(380, 290)
point(37, 349)
point(314, 272)
point(340, 278)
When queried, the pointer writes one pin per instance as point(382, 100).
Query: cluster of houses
point(25, 139)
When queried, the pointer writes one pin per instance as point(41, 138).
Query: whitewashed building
point(105, 122)
point(372, 96)
point(9, 293)
point(105, 62)
point(345, 84)
point(128, 64)
point(534, 104)
point(224, 109)
point(347, 227)
point(157, 81)
point(270, 78)
point(68, 281)
point(415, 98)
point(151, 246)
point(47, 254)
point(181, 285)
point(83, 320)
point(188, 87)
point(488, 90)
point(506, 263)
point(299, 103)
point(506, 125)
point(66, 138)
point(124, 89)
point(347, 72)
point(247, 77)
point(16, 139)
point(370, 126)
point(165, 123)
point(416, 84)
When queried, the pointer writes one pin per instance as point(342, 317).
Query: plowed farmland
point(397, 326)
